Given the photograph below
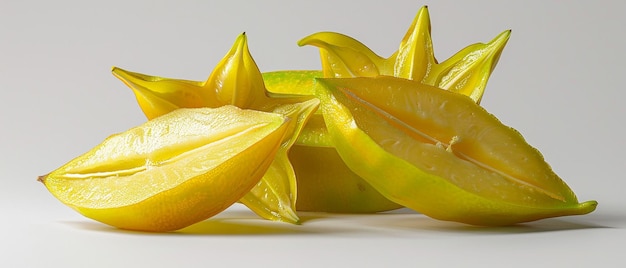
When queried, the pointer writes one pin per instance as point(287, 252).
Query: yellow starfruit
point(440, 153)
point(172, 171)
point(339, 189)
point(236, 80)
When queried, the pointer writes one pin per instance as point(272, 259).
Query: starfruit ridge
point(466, 72)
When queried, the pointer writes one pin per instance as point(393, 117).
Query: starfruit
point(337, 188)
point(172, 171)
point(236, 80)
point(440, 153)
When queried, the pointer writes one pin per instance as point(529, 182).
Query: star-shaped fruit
point(236, 80)
point(466, 72)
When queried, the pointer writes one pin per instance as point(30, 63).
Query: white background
point(559, 82)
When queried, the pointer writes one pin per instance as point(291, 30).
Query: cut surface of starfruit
point(172, 171)
point(440, 153)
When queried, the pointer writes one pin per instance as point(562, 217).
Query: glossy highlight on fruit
point(440, 153)
point(172, 171)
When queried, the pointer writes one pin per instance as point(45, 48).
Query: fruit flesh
point(172, 171)
point(441, 154)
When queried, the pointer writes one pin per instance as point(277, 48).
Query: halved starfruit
point(172, 171)
point(440, 153)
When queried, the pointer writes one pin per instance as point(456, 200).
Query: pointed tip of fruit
point(503, 36)
point(306, 40)
point(115, 69)
point(131, 79)
point(290, 216)
point(42, 178)
point(588, 207)
point(242, 38)
point(423, 13)
point(322, 39)
point(240, 45)
point(420, 23)
point(119, 72)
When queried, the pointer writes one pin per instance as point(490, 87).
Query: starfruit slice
point(440, 153)
point(236, 80)
point(172, 171)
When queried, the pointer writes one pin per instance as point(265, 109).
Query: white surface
point(559, 82)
